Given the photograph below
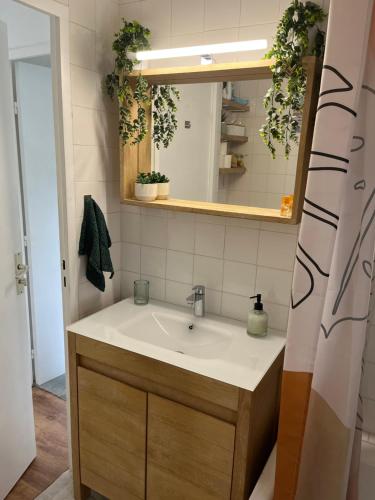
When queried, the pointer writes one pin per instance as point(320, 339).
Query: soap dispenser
point(257, 322)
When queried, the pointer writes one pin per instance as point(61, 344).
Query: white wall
point(28, 31)
point(187, 161)
point(232, 257)
point(95, 135)
point(38, 159)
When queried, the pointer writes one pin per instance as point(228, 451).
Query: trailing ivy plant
point(284, 100)
point(163, 114)
point(131, 38)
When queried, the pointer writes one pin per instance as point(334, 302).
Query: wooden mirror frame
point(137, 158)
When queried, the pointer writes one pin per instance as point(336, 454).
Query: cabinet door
point(112, 436)
point(189, 454)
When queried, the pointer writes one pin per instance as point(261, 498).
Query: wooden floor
point(52, 447)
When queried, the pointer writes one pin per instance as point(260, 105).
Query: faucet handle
point(190, 299)
point(199, 289)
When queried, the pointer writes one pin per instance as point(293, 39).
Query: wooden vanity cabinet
point(112, 435)
point(144, 429)
point(189, 453)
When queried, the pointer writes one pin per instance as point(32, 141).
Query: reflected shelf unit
point(232, 170)
point(239, 139)
point(229, 105)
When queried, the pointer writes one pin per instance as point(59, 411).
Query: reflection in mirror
point(217, 154)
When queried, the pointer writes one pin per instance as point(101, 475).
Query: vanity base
point(142, 428)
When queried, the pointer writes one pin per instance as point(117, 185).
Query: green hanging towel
point(95, 243)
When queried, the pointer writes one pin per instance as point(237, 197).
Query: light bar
point(199, 50)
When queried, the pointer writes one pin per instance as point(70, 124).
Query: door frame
point(61, 91)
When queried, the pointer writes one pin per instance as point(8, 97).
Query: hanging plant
point(284, 100)
point(131, 38)
point(163, 114)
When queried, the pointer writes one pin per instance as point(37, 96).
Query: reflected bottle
point(286, 207)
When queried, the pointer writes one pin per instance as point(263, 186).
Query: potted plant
point(162, 183)
point(135, 99)
point(297, 35)
point(145, 187)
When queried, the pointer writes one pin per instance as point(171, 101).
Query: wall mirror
point(217, 163)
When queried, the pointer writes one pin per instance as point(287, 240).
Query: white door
point(39, 178)
point(17, 435)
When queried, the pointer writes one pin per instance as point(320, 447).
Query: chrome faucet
point(197, 300)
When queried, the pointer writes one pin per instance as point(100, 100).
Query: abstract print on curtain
point(319, 417)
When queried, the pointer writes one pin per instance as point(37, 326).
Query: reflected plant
point(284, 100)
point(163, 114)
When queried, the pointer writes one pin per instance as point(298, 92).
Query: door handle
point(20, 271)
point(22, 268)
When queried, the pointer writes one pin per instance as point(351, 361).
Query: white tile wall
point(95, 138)
point(187, 17)
point(221, 14)
point(150, 246)
point(233, 258)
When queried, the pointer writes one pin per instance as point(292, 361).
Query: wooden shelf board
point(240, 139)
point(232, 170)
point(229, 105)
point(246, 70)
point(220, 209)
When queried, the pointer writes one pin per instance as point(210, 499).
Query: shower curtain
point(320, 419)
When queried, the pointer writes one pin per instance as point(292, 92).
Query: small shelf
point(230, 105)
point(204, 207)
point(240, 139)
point(232, 170)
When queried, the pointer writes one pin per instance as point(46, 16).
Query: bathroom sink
point(213, 346)
point(179, 332)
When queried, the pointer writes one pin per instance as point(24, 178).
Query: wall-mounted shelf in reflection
point(231, 171)
point(230, 105)
point(240, 139)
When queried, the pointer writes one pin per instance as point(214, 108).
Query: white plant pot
point(163, 190)
point(236, 130)
point(146, 192)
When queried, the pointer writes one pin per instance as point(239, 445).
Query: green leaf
point(285, 98)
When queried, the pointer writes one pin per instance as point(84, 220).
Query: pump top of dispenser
point(258, 305)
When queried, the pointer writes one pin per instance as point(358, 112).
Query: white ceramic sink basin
point(216, 347)
point(179, 332)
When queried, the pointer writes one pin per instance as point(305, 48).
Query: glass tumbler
point(141, 292)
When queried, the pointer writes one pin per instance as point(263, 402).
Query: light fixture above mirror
point(202, 50)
